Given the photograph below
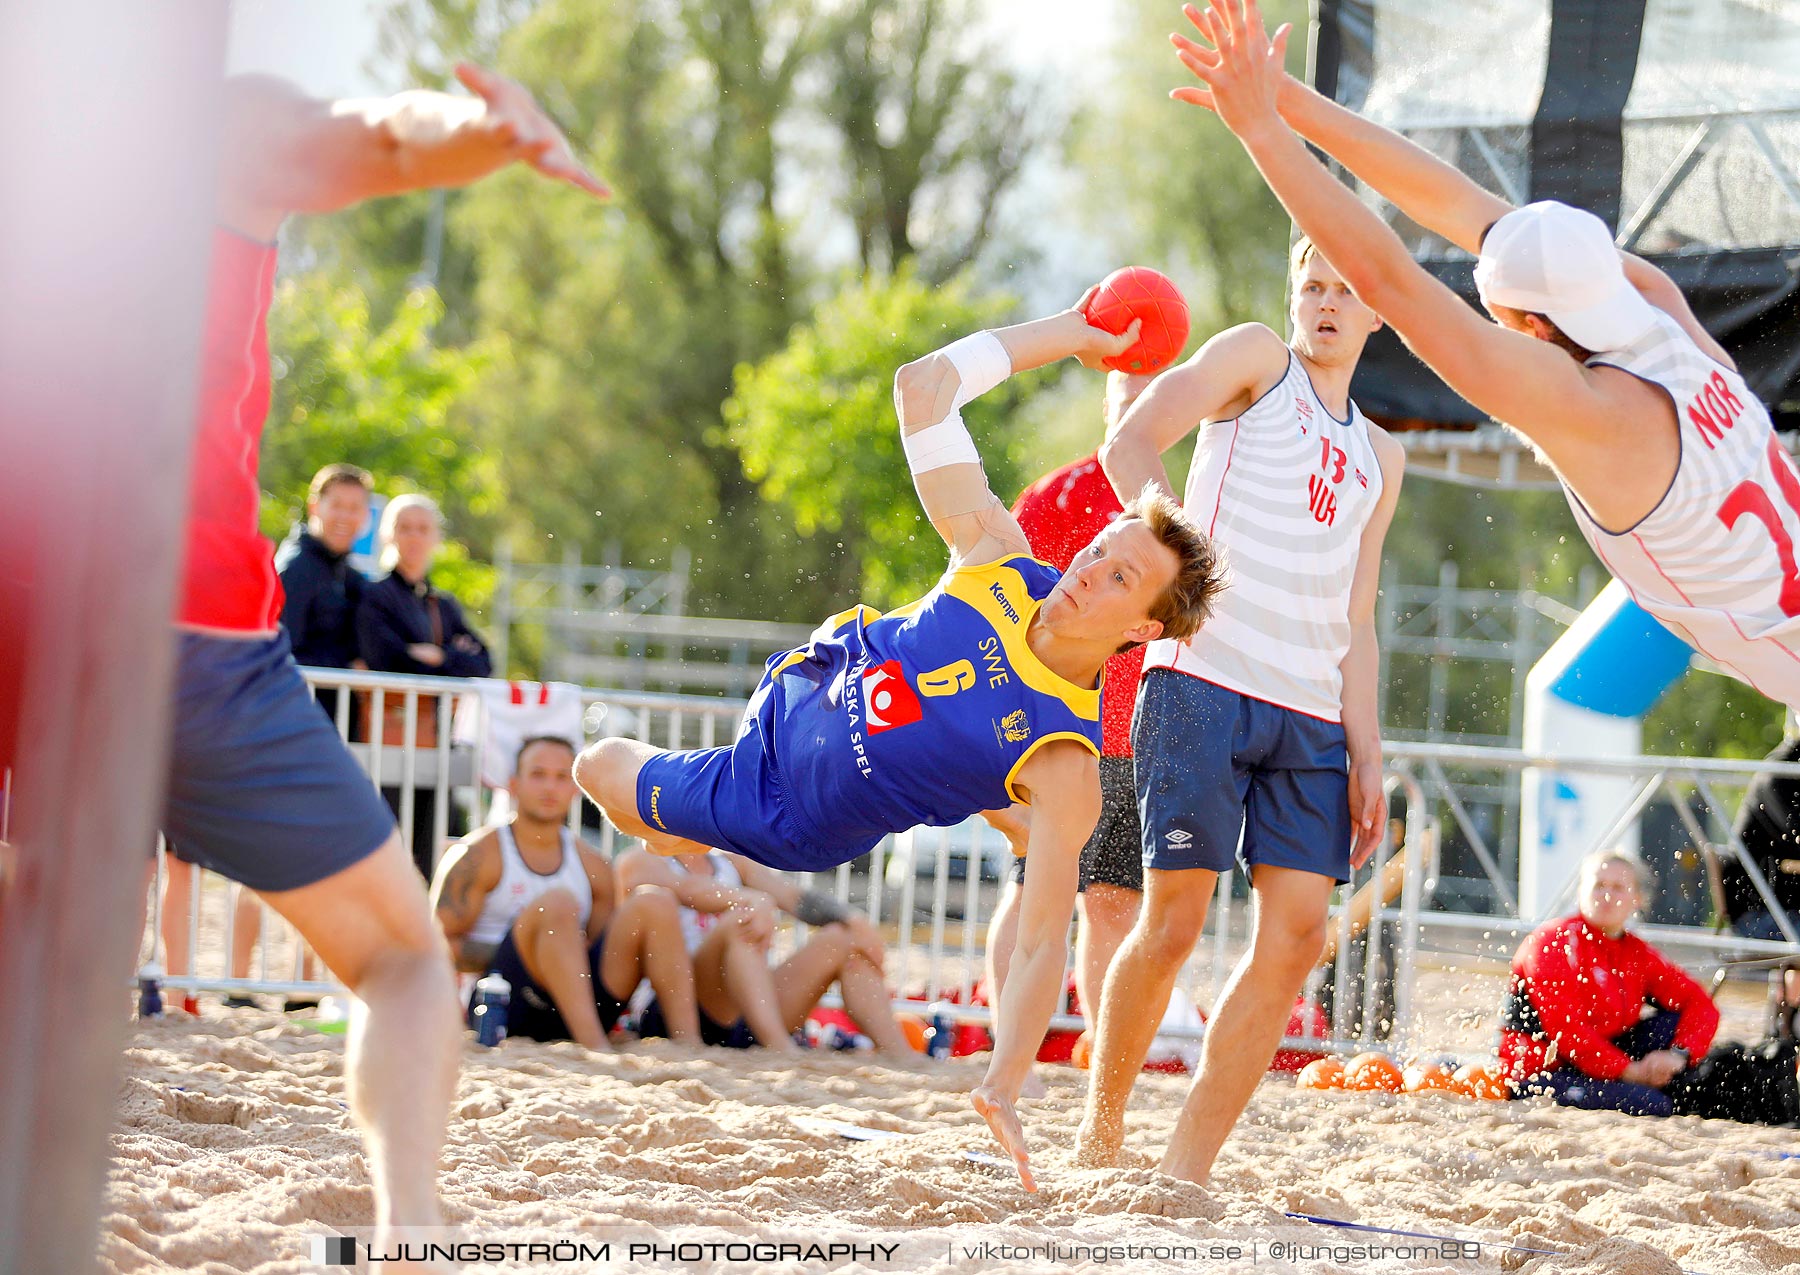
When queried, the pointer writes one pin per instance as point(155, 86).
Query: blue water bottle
point(492, 995)
point(150, 1001)
point(943, 1029)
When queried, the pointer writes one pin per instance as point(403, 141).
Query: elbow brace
point(981, 363)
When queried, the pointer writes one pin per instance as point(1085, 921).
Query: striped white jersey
point(1287, 489)
point(1714, 561)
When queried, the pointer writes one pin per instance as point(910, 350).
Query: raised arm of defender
point(929, 395)
point(1431, 192)
point(1220, 380)
point(1583, 419)
point(285, 152)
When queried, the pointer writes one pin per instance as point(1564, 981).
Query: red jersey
point(228, 579)
point(1061, 513)
point(1584, 989)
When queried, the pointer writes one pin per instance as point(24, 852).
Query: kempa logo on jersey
point(1006, 608)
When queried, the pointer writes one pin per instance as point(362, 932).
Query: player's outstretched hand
point(515, 116)
point(1100, 344)
point(1242, 68)
point(997, 1110)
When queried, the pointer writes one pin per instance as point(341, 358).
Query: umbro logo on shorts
point(1180, 837)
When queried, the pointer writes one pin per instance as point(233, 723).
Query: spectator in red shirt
point(1061, 513)
point(1574, 1023)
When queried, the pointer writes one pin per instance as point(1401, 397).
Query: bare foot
point(1033, 1087)
point(1188, 1170)
point(1097, 1148)
point(995, 1108)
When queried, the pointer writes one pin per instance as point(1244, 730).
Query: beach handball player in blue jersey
point(983, 694)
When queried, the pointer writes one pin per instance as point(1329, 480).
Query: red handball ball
point(1138, 292)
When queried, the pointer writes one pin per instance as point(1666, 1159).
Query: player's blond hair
point(1302, 252)
point(390, 519)
point(1200, 571)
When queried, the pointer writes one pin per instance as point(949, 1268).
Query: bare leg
point(1137, 987)
point(643, 940)
point(829, 957)
point(177, 915)
point(1106, 914)
point(246, 928)
point(372, 927)
point(1252, 1014)
point(607, 772)
point(732, 980)
point(553, 946)
point(1002, 936)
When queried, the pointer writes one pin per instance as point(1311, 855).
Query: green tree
point(623, 326)
point(1174, 188)
point(383, 398)
point(919, 110)
point(815, 424)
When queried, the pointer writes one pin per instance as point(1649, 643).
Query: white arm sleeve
point(935, 446)
point(981, 363)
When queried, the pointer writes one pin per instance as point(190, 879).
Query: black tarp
point(1747, 297)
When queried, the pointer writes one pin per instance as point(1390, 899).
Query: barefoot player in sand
point(982, 693)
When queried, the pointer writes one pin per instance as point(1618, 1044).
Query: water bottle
point(150, 1001)
point(943, 1029)
point(492, 995)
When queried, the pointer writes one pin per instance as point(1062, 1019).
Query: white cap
point(1548, 258)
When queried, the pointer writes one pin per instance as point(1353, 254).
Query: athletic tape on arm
point(981, 363)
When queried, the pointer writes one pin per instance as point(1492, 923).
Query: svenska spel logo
point(887, 700)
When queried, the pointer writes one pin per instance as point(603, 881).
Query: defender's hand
point(519, 121)
point(1243, 69)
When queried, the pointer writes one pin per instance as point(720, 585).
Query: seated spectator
point(729, 906)
point(1574, 1023)
point(528, 901)
point(406, 625)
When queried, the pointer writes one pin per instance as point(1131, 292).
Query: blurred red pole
point(106, 206)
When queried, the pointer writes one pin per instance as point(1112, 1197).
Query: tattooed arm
point(466, 875)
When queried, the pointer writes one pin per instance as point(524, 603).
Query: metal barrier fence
point(932, 891)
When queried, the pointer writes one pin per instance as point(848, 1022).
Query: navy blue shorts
point(261, 789)
point(731, 799)
point(1113, 855)
point(531, 1012)
point(1212, 763)
point(737, 1036)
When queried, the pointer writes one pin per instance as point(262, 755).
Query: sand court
point(233, 1145)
